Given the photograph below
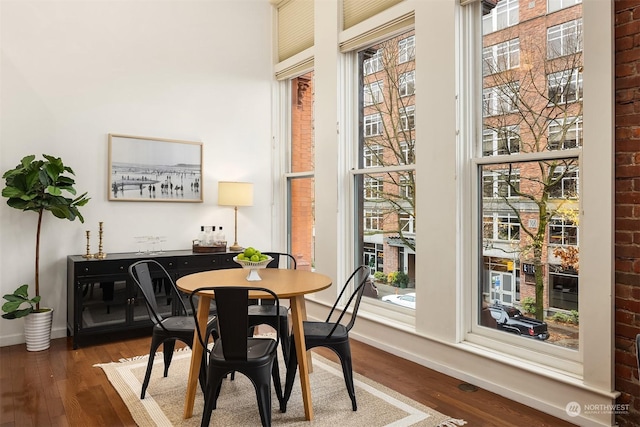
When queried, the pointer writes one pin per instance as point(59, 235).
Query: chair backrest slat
point(233, 323)
point(358, 278)
point(140, 273)
point(233, 317)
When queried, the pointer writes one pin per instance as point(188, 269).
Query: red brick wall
point(302, 154)
point(627, 206)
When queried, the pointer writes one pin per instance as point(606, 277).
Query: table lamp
point(235, 194)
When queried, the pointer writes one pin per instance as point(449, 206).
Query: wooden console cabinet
point(102, 299)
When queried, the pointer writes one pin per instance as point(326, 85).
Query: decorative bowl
point(253, 267)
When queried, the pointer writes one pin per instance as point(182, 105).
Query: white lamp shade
point(235, 193)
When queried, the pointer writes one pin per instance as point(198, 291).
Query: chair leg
point(155, 343)
point(277, 384)
point(344, 352)
point(214, 383)
point(292, 366)
point(261, 380)
point(202, 377)
point(263, 393)
point(167, 349)
point(284, 340)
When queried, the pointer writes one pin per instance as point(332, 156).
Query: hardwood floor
point(60, 387)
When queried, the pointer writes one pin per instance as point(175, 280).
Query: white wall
point(73, 71)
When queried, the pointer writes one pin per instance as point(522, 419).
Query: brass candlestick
point(100, 254)
point(88, 255)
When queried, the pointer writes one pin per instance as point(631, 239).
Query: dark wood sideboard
point(102, 299)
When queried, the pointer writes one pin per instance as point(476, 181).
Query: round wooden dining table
point(286, 283)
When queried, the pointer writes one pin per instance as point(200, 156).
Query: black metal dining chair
point(166, 329)
point(332, 334)
point(263, 312)
point(234, 351)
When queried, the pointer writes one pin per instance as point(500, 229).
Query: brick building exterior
point(627, 206)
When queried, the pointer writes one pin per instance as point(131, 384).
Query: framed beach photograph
point(145, 169)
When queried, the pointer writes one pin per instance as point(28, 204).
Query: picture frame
point(148, 169)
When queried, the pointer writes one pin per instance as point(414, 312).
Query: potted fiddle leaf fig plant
point(38, 186)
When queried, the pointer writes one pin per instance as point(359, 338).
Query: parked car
point(405, 300)
point(510, 319)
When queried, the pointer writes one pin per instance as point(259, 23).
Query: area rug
point(164, 401)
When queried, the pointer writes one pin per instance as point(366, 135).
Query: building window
point(373, 93)
point(406, 49)
point(406, 152)
point(372, 156)
point(372, 188)
point(372, 125)
point(565, 134)
point(565, 86)
point(504, 15)
point(500, 100)
point(501, 226)
point(563, 288)
point(564, 39)
point(501, 57)
point(501, 183)
point(496, 142)
point(553, 5)
point(563, 181)
point(373, 64)
point(407, 84)
point(408, 118)
point(372, 220)
point(407, 223)
point(563, 231)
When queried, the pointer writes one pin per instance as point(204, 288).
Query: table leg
point(196, 355)
point(298, 314)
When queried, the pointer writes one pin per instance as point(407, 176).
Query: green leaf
point(15, 298)
point(54, 190)
point(11, 306)
point(12, 192)
point(22, 291)
point(26, 161)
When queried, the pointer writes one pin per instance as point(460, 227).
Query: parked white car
point(405, 300)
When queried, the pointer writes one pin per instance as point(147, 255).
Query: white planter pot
point(37, 330)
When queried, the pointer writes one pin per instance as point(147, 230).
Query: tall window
point(300, 180)
point(528, 160)
point(386, 141)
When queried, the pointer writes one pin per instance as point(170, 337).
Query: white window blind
point(356, 11)
point(295, 27)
